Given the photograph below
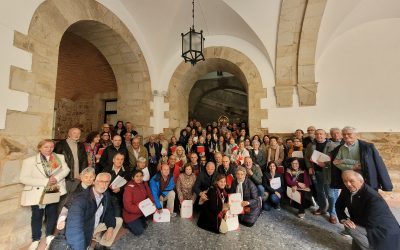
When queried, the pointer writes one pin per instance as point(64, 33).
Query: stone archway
point(217, 58)
point(98, 25)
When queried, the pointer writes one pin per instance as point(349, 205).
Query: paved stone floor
point(273, 230)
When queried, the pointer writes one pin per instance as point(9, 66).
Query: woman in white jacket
point(43, 171)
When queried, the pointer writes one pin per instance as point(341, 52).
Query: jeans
point(50, 211)
point(261, 190)
point(116, 204)
point(319, 186)
point(273, 200)
point(137, 226)
point(333, 194)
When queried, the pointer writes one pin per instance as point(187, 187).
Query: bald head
point(74, 134)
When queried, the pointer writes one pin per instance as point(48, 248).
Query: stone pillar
point(284, 96)
point(307, 94)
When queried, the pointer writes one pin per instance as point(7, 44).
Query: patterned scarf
point(50, 165)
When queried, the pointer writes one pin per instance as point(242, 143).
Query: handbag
point(223, 227)
point(50, 195)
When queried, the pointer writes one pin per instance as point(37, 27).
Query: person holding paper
point(251, 202)
point(212, 209)
point(316, 168)
point(162, 188)
point(299, 181)
point(274, 186)
point(117, 170)
point(185, 183)
point(136, 191)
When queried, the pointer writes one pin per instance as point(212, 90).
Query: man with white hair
point(369, 221)
point(363, 158)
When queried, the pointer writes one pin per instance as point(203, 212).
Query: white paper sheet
point(187, 209)
point(298, 154)
point(295, 196)
point(319, 157)
point(147, 207)
point(275, 183)
point(235, 201)
point(165, 216)
point(118, 182)
point(232, 221)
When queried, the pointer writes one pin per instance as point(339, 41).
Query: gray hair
point(242, 169)
point(354, 173)
point(333, 129)
point(103, 173)
point(88, 170)
point(255, 142)
point(348, 128)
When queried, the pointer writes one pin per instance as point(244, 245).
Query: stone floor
point(273, 230)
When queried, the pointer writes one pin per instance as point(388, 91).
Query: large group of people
point(101, 182)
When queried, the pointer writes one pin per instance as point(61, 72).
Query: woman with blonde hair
point(43, 173)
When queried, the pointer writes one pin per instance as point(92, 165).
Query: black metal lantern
point(193, 44)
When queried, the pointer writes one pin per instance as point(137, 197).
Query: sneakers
point(301, 215)
point(48, 240)
point(34, 245)
point(173, 215)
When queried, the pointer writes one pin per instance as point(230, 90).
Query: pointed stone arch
point(217, 58)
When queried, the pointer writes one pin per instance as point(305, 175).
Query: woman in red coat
point(135, 192)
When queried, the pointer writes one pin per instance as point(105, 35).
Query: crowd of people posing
point(105, 178)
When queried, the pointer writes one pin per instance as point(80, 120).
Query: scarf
point(276, 156)
point(50, 165)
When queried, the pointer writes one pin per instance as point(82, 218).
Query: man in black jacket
point(205, 180)
point(371, 223)
point(75, 156)
point(106, 159)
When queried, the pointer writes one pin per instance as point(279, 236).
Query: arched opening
point(218, 93)
point(217, 59)
point(85, 81)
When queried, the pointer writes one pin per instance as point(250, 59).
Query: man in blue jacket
point(162, 185)
point(90, 208)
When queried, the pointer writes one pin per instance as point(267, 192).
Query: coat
point(35, 180)
point(63, 148)
point(204, 182)
point(373, 168)
point(106, 159)
point(266, 183)
point(81, 218)
point(368, 209)
point(250, 194)
point(259, 158)
point(155, 183)
point(133, 195)
point(210, 215)
point(142, 153)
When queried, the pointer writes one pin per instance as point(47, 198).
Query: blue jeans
point(50, 211)
point(137, 226)
point(261, 190)
point(332, 194)
point(273, 200)
point(319, 186)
